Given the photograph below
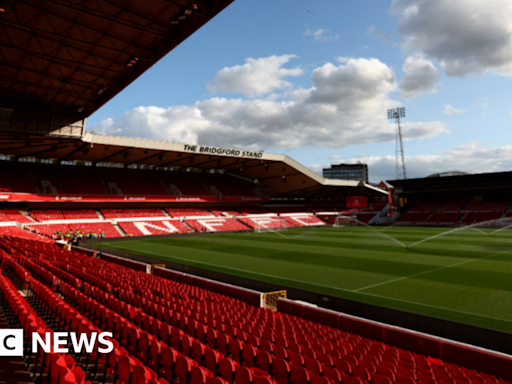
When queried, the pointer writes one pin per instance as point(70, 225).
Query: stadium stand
point(216, 224)
point(65, 179)
point(145, 228)
point(105, 228)
point(225, 212)
point(122, 181)
point(49, 182)
point(67, 214)
point(23, 234)
point(227, 185)
point(16, 179)
point(414, 216)
point(365, 217)
point(445, 217)
point(476, 217)
point(187, 184)
point(191, 212)
point(303, 220)
point(13, 215)
point(253, 211)
point(127, 213)
point(265, 222)
point(82, 181)
point(296, 209)
point(173, 331)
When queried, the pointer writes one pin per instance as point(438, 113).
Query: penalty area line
point(328, 286)
point(425, 272)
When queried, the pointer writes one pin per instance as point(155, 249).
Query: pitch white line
point(231, 268)
point(425, 272)
point(323, 285)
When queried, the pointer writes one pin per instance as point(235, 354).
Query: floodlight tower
point(397, 113)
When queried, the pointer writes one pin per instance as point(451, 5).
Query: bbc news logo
point(11, 342)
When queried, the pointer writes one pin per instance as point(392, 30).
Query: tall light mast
point(397, 113)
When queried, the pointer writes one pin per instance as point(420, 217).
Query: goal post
point(274, 225)
point(345, 221)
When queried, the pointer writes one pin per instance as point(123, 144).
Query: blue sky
point(314, 79)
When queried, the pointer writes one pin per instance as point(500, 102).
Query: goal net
point(345, 221)
point(270, 225)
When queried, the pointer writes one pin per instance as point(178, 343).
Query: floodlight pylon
point(400, 171)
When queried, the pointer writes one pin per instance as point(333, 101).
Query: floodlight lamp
point(132, 61)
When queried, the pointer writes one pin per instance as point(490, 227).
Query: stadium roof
point(61, 60)
point(280, 173)
point(450, 173)
point(456, 182)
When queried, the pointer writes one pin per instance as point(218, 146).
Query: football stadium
point(212, 265)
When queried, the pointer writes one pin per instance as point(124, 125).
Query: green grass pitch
point(463, 275)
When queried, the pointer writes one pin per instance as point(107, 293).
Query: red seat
point(249, 355)
point(333, 375)
point(401, 379)
point(211, 360)
point(182, 369)
point(351, 379)
point(299, 375)
point(280, 352)
point(296, 359)
point(313, 366)
point(227, 370)
point(343, 366)
point(316, 379)
point(325, 359)
point(264, 361)
point(235, 349)
point(199, 375)
point(386, 372)
point(362, 373)
point(215, 380)
point(379, 379)
point(243, 375)
point(141, 375)
point(168, 360)
point(198, 351)
point(282, 371)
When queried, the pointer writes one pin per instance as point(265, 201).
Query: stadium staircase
point(166, 187)
point(103, 184)
point(119, 229)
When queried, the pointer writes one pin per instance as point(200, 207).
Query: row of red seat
point(291, 349)
point(60, 368)
point(13, 215)
point(66, 214)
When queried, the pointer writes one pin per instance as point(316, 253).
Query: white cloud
point(464, 36)
point(345, 106)
point(343, 59)
point(450, 111)
point(470, 158)
point(374, 32)
point(421, 77)
point(256, 77)
point(320, 34)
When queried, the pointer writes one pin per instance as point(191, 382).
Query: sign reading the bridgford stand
point(221, 151)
